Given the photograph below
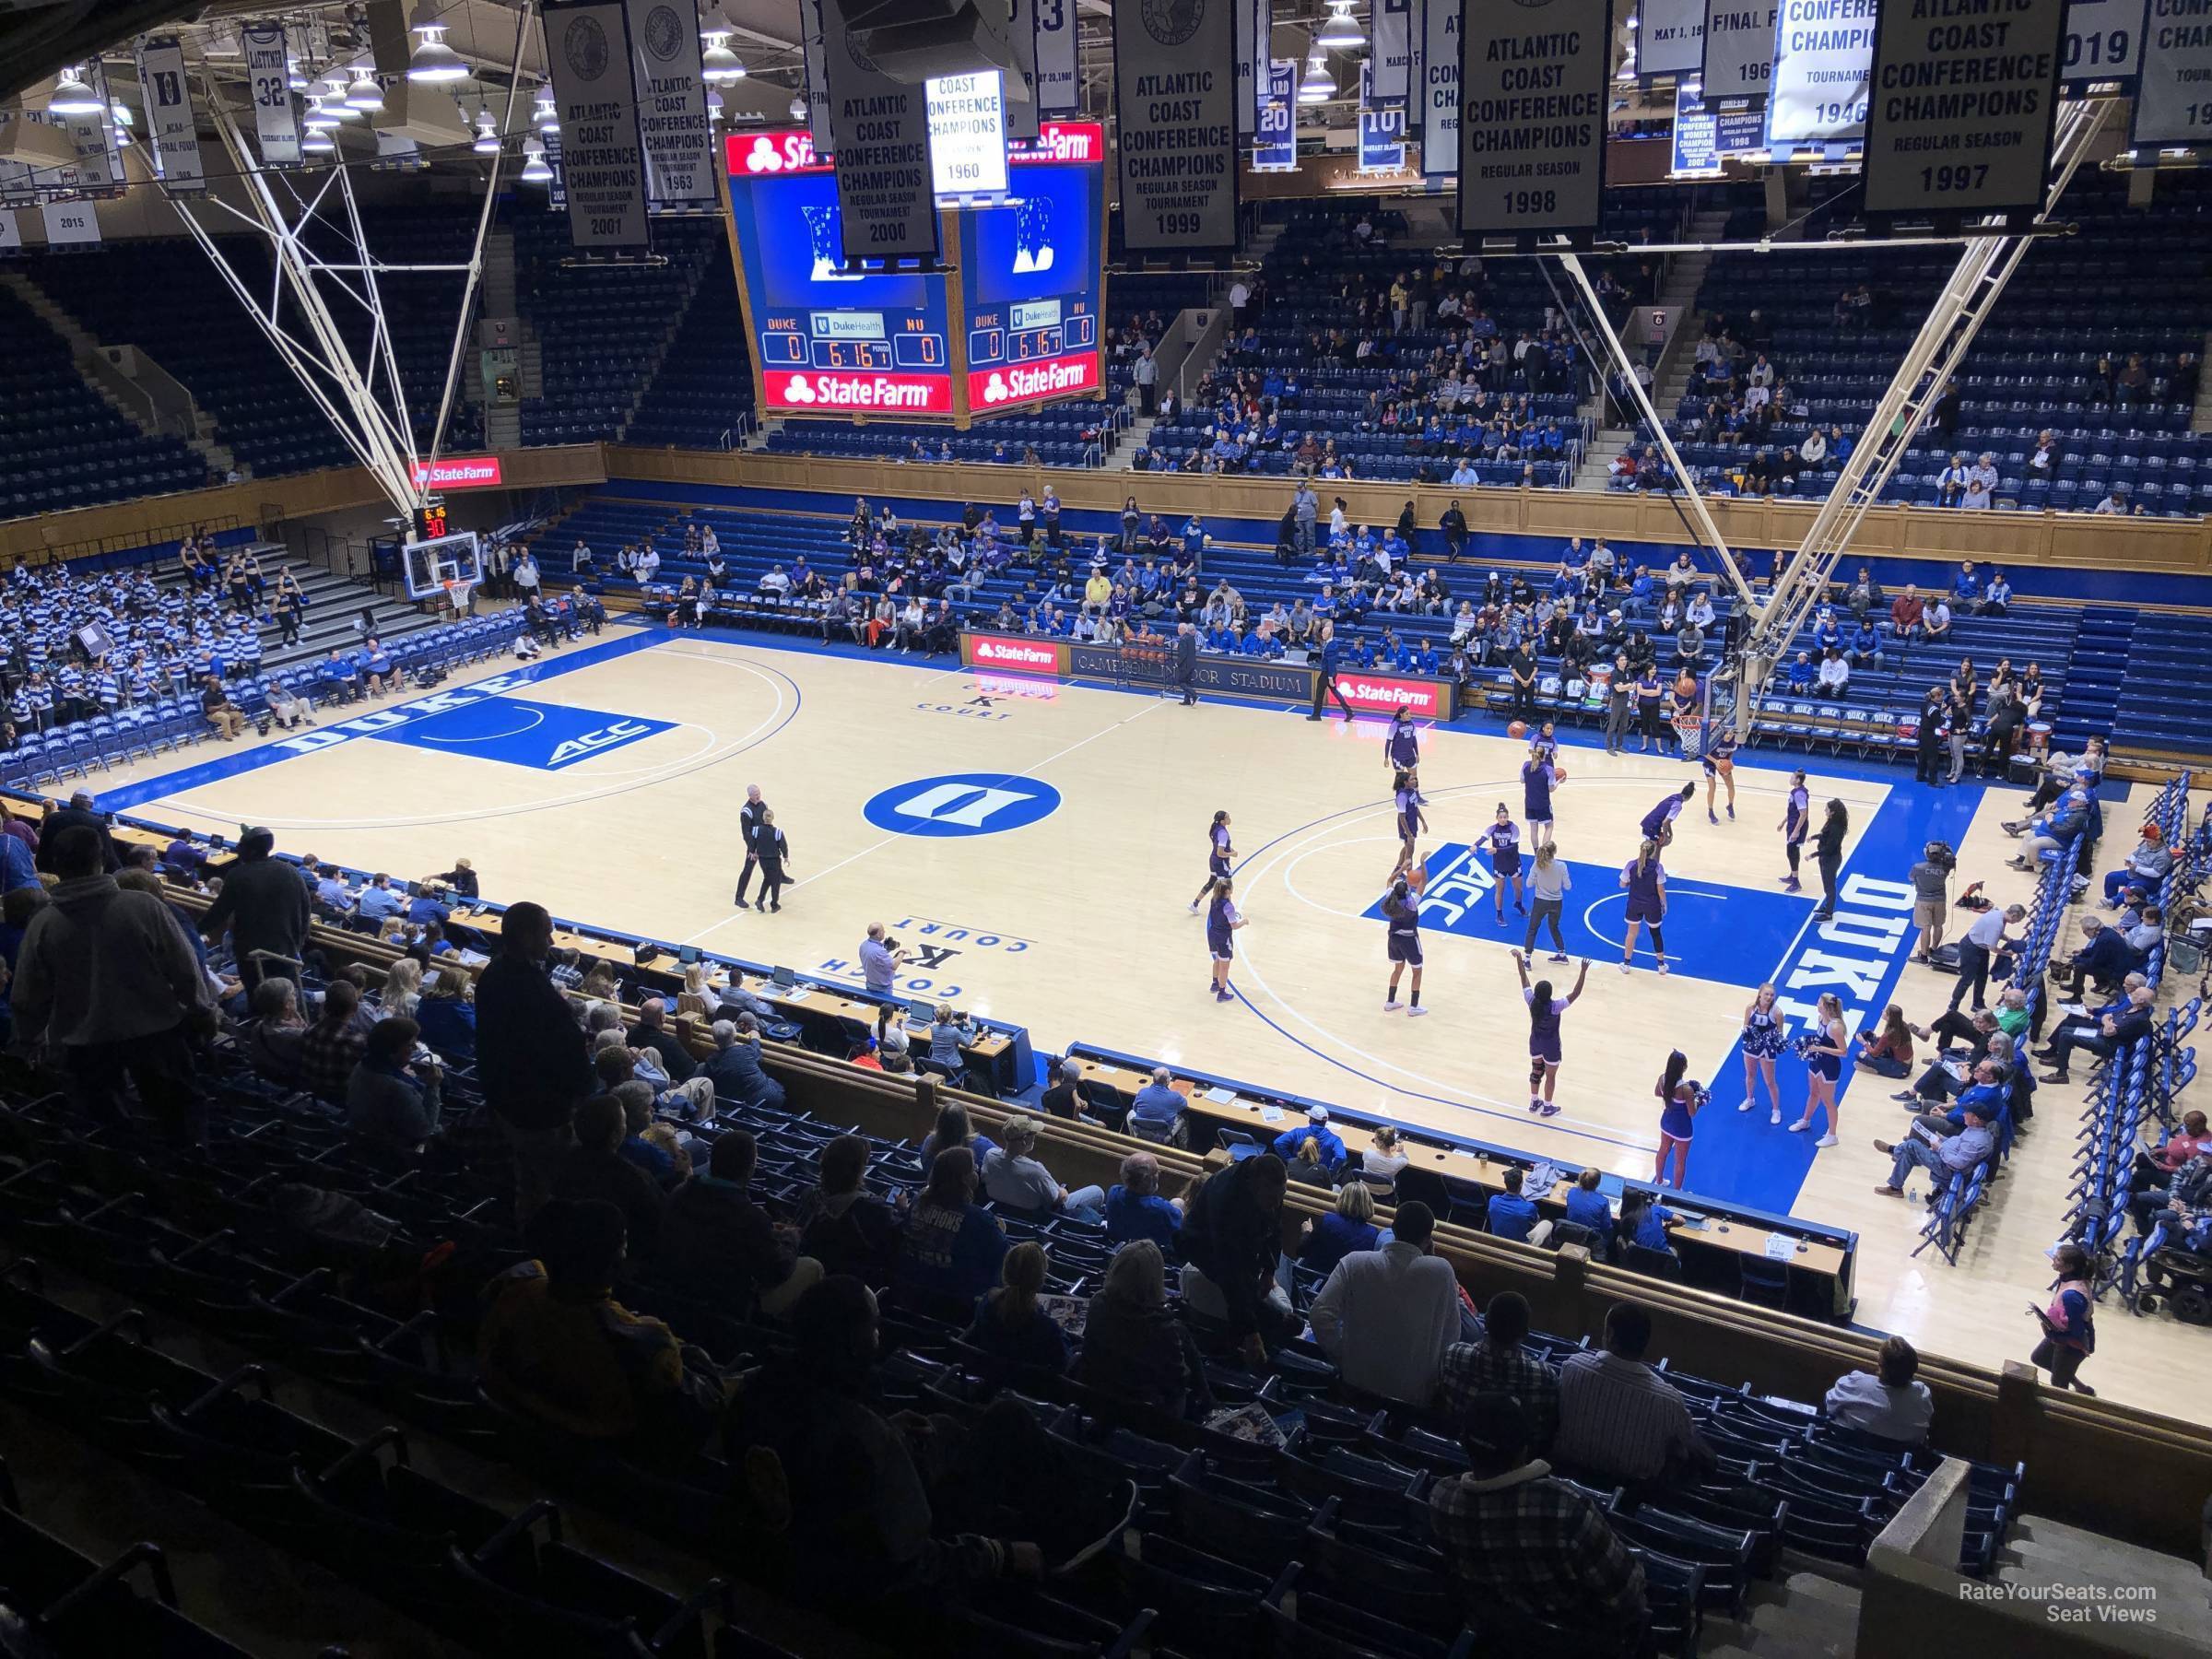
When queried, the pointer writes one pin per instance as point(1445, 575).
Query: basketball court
point(1038, 846)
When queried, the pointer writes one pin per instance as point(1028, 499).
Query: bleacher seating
point(703, 394)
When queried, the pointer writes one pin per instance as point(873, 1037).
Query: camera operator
point(1931, 895)
point(879, 958)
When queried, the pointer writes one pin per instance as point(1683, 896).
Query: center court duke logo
point(962, 804)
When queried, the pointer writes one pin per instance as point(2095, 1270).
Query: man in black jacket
point(749, 820)
point(1186, 661)
point(1232, 1236)
point(531, 1058)
point(79, 811)
point(264, 904)
point(652, 1033)
point(2114, 1033)
point(734, 1066)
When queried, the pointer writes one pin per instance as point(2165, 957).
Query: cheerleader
point(1545, 1012)
point(1678, 1103)
point(1823, 1049)
point(1536, 800)
point(1762, 1041)
point(1645, 879)
point(1218, 854)
point(1402, 915)
point(1411, 820)
point(1221, 923)
point(1505, 861)
point(1720, 768)
point(1797, 820)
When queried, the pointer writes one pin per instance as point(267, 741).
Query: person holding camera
point(1930, 891)
point(879, 958)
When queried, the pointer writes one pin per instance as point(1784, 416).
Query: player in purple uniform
point(1505, 861)
point(1402, 913)
point(1545, 1012)
point(1402, 748)
point(1221, 923)
point(1645, 879)
point(1658, 824)
point(1218, 854)
point(1536, 800)
point(1719, 757)
point(1796, 821)
point(1545, 745)
point(1411, 820)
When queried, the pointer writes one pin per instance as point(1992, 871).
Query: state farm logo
point(1062, 141)
point(817, 390)
point(1015, 654)
point(760, 155)
point(1390, 693)
point(1038, 380)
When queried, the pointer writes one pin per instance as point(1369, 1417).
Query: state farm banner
point(2103, 42)
point(817, 73)
point(1255, 28)
point(1436, 110)
point(1670, 37)
point(1739, 49)
point(672, 103)
point(849, 392)
point(1175, 88)
point(879, 134)
point(1823, 54)
point(275, 122)
point(1018, 653)
point(1392, 59)
point(1532, 115)
point(458, 471)
point(1059, 85)
point(603, 157)
point(1021, 80)
point(2173, 91)
point(172, 132)
point(993, 389)
point(1962, 108)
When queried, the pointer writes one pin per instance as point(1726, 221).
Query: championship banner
point(97, 165)
point(70, 224)
point(1823, 55)
point(2104, 41)
point(557, 189)
point(2173, 91)
point(1381, 131)
point(817, 73)
point(1670, 37)
point(587, 47)
point(1961, 113)
point(1274, 149)
point(1706, 134)
point(1022, 79)
point(1532, 115)
point(11, 232)
point(1175, 88)
point(1739, 49)
point(1393, 58)
point(1437, 116)
point(275, 122)
point(1255, 20)
point(880, 134)
point(1059, 85)
point(171, 132)
point(672, 103)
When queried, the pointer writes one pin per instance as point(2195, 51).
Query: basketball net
point(1690, 728)
point(456, 594)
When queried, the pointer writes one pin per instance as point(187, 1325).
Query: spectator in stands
point(1888, 1404)
point(1015, 1178)
point(1349, 1227)
point(952, 1130)
point(225, 716)
point(1525, 1545)
point(2107, 1034)
point(1907, 612)
point(1955, 1154)
point(272, 1044)
point(2148, 866)
point(1499, 1363)
point(1289, 1145)
point(734, 1066)
point(1156, 1112)
point(1134, 1346)
point(652, 1033)
point(1135, 1209)
point(1009, 1326)
point(1385, 1316)
point(842, 1225)
point(332, 1047)
point(555, 1346)
point(951, 1249)
point(595, 1170)
point(1980, 483)
point(713, 1237)
point(1618, 1417)
point(1231, 1241)
point(2153, 1168)
point(265, 906)
point(1511, 1215)
point(393, 1097)
point(2103, 961)
point(531, 1059)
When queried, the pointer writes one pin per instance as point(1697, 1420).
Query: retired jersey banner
point(1961, 113)
point(1022, 79)
point(1175, 88)
point(1670, 37)
point(879, 134)
point(672, 103)
point(275, 124)
point(1532, 115)
point(815, 74)
point(1381, 131)
point(2104, 41)
point(587, 47)
point(1255, 28)
point(1275, 147)
point(1392, 59)
point(2173, 92)
point(1436, 114)
point(1739, 49)
point(172, 132)
point(1823, 54)
point(1059, 82)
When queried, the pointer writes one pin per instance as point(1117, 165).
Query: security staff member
point(748, 821)
point(1186, 661)
point(1326, 669)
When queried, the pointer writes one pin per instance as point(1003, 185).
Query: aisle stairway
point(2095, 673)
point(1810, 1612)
point(1685, 273)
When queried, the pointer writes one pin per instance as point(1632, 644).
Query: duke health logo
point(962, 804)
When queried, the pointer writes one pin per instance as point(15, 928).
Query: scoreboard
point(1016, 323)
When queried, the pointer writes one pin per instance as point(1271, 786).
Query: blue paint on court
point(542, 736)
point(961, 803)
point(1728, 933)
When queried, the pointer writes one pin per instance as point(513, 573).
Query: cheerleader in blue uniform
point(1402, 916)
point(1720, 768)
point(1221, 923)
point(1505, 861)
point(1823, 1047)
point(1536, 800)
point(1411, 820)
point(1218, 854)
point(1762, 1041)
point(1680, 1098)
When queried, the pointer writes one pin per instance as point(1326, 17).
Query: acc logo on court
point(572, 749)
point(963, 804)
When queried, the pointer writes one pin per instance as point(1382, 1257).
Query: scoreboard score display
point(1015, 323)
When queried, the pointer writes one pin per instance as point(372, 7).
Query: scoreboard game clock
point(1032, 270)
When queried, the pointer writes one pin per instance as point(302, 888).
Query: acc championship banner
point(1532, 115)
point(2104, 40)
point(1275, 147)
point(1021, 80)
point(11, 232)
point(879, 134)
point(602, 159)
point(1670, 37)
point(171, 131)
point(1393, 58)
point(1739, 49)
point(1381, 131)
point(817, 74)
point(1436, 116)
point(1256, 29)
point(1961, 114)
point(70, 224)
point(2174, 91)
point(274, 124)
point(1059, 91)
point(1706, 134)
point(97, 165)
point(1823, 53)
point(1175, 86)
point(672, 103)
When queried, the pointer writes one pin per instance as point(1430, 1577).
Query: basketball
point(1519, 728)
point(1559, 775)
point(1417, 877)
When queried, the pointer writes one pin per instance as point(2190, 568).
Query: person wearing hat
point(1315, 1128)
point(2103, 961)
point(265, 906)
point(1522, 1545)
point(2147, 867)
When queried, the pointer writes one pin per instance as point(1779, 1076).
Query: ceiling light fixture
point(432, 59)
point(544, 114)
point(72, 95)
point(536, 170)
point(1341, 32)
point(487, 133)
point(364, 94)
point(718, 66)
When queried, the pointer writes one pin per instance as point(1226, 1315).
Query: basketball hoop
point(456, 594)
point(1690, 728)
